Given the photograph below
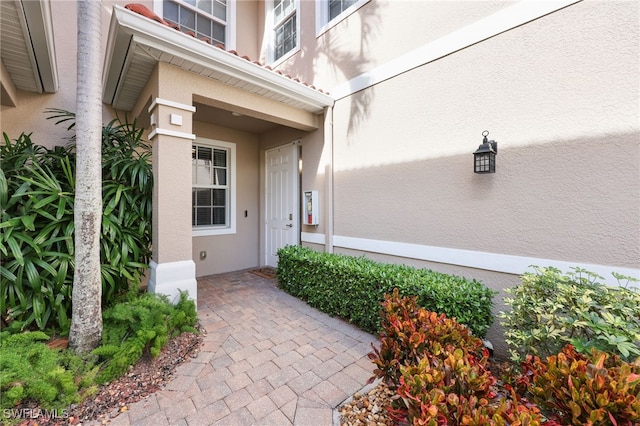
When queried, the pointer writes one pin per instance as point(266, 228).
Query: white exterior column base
point(172, 277)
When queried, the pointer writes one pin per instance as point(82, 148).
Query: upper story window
point(330, 12)
point(285, 27)
point(206, 19)
point(336, 7)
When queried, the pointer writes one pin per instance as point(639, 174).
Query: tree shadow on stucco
point(333, 45)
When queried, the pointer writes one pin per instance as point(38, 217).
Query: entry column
point(172, 266)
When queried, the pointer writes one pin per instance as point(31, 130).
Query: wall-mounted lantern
point(484, 159)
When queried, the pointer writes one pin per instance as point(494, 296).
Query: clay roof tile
point(144, 11)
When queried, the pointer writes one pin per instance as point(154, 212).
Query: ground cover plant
point(31, 372)
point(441, 375)
point(37, 196)
point(353, 288)
point(29, 369)
point(143, 325)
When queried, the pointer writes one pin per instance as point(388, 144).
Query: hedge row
point(353, 288)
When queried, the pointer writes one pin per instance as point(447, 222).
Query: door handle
point(289, 225)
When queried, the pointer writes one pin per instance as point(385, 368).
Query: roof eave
point(40, 24)
point(128, 27)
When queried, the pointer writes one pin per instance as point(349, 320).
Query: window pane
point(277, 10)
point(204, 27)
point(170, 11)
point(205, 5)
point(220, 176)
point(187, 20)
point(202, 216)
point(202, 166)
point(218, 33)
point(219, 197)
point(203, 197)
point(220, 158)
point(220, 9)
point(219, 216)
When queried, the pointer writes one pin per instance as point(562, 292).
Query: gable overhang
point(28, 48)
point(136, 44)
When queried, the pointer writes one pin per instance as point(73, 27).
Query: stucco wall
point(379, 31)
point(563, 105)
point(240, 250)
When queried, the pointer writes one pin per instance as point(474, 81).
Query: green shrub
point(29, 369)
point(353, 288)
point(550, 309)
point(140, 326)
point(37, 198)
point(576, 389)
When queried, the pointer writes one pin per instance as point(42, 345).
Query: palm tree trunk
point(86, 316)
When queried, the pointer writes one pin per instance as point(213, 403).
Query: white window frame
point(271, 47)
point(230, 228)
point(323, 23)
point(230, 26)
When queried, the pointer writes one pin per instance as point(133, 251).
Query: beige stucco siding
point(240, 250)
point(376, 33)
point(563, 106)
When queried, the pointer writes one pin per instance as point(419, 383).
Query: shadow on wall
point(545, 201)
point(340, 60)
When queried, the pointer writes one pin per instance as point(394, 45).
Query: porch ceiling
point(136, 44)
point(28, 52)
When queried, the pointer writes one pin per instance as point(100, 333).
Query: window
point(330, 12)
point(336, 7)
point(206, 19)
point(285, 27)
point(213, 188)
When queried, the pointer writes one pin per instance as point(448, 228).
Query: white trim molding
point(166, 132)
point(172, 104)
point(172, 277)
point(496, 262)
point(506, 19)
point(313, 238)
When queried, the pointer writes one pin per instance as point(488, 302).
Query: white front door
point(282, 201)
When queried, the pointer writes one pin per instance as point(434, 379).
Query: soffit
point(137, 43)
point(16, 53)
point(27, 45)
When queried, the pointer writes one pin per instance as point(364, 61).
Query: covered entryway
point(163, 77)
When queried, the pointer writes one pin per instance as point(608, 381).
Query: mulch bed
point(147, 376)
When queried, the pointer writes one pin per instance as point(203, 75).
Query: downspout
point(328, 181)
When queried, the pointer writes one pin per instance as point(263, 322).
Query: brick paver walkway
point(268, 359)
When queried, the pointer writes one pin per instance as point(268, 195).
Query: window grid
point(206, 19)
point(336, 7)
point(210, 186)
point(285, 27)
